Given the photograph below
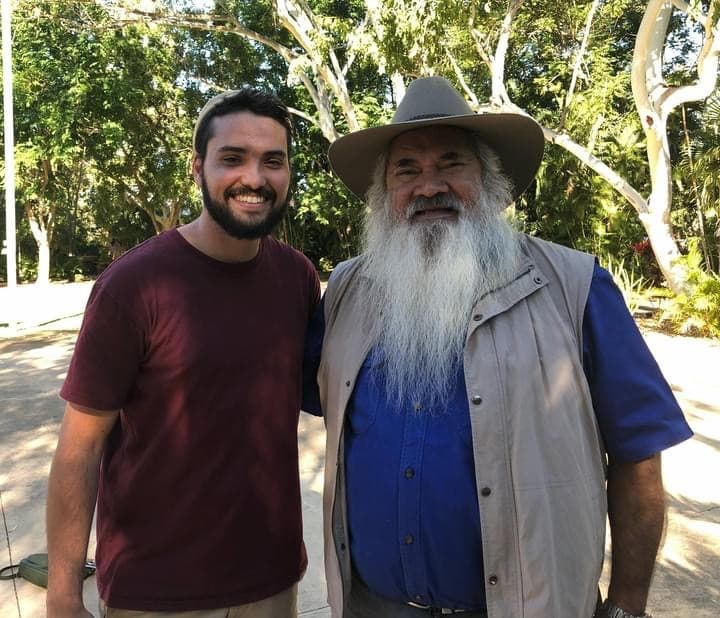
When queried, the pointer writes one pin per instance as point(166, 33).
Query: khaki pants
point(282, 605)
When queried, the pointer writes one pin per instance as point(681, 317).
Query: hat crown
point(430, 97)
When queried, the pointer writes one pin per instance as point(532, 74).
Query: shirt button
point(485, 491)
point(409, 540)
point(477, 317)
point(492, 580)
point(476, 399)
point(409, 473)
point(537, 280)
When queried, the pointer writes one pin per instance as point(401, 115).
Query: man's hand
point(636, 507)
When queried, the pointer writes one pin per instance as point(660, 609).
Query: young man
point(475, 381)
point(183, 397)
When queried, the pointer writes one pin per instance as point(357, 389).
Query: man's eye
point(231, 160)
point(274, 163)
point(405, 172)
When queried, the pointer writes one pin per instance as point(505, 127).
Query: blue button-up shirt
point(413, 514)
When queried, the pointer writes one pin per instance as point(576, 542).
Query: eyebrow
point(240, 150)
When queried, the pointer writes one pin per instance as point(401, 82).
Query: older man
point(475, 382)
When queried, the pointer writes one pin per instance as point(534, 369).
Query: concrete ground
point(33, 359)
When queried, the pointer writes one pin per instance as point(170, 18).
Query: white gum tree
point(654, 100)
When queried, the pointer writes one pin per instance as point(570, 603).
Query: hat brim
point(517, 140)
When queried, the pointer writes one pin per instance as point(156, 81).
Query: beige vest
point(539, 460)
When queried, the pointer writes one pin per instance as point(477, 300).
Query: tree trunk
point(43, 270)
point(40, 228)
point(647, 82)
point(42, 240)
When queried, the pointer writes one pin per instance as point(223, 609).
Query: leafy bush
point(698, 311)
point(632, 285)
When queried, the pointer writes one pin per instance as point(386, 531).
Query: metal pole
point(9, 134)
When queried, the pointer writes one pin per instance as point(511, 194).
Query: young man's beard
point(237, 228)
point(423, 281)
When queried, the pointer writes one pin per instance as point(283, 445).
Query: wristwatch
point(610, 610)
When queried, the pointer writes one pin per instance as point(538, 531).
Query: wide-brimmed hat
point(516, 139)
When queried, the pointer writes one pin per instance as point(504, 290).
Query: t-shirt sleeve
point(635, 407)
point(107, 354)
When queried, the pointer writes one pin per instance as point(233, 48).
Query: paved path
point(33, 361)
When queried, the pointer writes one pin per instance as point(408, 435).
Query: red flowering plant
point(642, 247)
point(645, 261)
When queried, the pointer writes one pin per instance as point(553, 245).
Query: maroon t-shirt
point(199, 500)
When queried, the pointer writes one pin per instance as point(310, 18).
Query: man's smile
point(249, 198)
point(438, 207)
point(434, 213)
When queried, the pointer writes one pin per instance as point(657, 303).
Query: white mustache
point(436, 202)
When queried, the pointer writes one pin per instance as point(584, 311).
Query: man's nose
point(252, 177)
point(429, 184)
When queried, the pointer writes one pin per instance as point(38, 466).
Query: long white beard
point(423, 281)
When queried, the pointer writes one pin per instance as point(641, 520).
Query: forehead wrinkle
point(407, 152)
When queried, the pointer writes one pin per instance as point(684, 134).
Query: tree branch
point(475, 104)
point(693, 11)
point(707, 70)
point(206, 22)
point(577, 67)
point(499, 93)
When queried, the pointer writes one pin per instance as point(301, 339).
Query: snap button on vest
point(492, 580)
point(485, 491)
point(476, 399)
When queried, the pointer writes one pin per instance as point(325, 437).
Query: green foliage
point(52, 65)
point(104, 151)
point(325, 222)
point(98, 111)
point(698, 195)
point(632, 285)
point(698, 311)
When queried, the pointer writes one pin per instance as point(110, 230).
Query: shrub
point(698, 311)
point(632, 285)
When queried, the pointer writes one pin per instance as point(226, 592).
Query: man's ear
point(197, 164)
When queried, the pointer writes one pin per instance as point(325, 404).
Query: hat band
point(427, 116)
